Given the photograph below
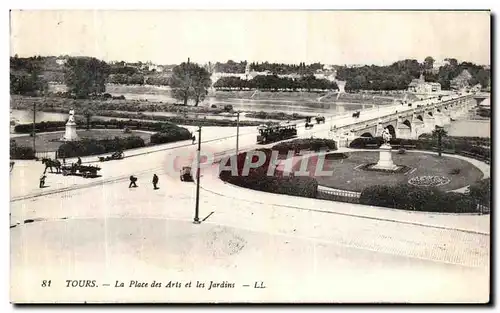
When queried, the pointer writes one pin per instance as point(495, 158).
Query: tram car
point(273, 133)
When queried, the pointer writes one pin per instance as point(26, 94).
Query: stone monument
point(71, 134)
point(385, 158)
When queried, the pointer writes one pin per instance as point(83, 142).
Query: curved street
point(338, 252)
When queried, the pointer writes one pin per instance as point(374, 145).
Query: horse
point(49, 163)
point(356, 114)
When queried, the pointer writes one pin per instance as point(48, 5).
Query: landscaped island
point(423, 186)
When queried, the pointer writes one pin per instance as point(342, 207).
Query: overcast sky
point(330, 37)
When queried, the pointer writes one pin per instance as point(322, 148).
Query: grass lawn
point(347, 175)
point(43, 141)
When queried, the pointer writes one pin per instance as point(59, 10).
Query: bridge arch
point(407, 123)
point(367, 134)
point(391, 130)
point(420, 118)
point(430, 113)
point(438, 110)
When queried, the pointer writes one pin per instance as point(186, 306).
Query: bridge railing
point(432, 105)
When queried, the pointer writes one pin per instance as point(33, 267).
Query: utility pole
point(197, 208)
point(33, 131)
point(237, 131)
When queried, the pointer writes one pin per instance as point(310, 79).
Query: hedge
point(459, 145)
point(427, 199)
point(96, 124)
point(20, 153)
point(170, 133)
point(275, 115)
point(257, 179)
point(481, 191)
point(305, 144)
point(94, 147)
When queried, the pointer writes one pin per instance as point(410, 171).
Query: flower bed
point(429, 181)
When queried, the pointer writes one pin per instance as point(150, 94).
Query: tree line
point(399, 75)
point(284, 69)
point(275, 83)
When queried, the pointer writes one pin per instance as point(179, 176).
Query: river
point(162, 94)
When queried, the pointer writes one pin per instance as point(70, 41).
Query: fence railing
point(45, 154)
point(338, 195)
point(483, 209)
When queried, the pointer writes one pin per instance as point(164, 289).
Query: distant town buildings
point(328, 73)
point(61, 61)
point(420, 86)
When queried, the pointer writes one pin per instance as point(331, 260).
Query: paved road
point(78, 228)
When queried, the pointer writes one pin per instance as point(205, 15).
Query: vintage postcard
point(250, 156)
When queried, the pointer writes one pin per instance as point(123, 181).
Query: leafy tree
point(86, 76)
point(25, 76)
point(190, 81)
point(439, 132)
point(88, 112)
point(429, 63)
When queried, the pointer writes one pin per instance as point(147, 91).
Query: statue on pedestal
point(70, 134)
point(386, 136)
point(71, 118)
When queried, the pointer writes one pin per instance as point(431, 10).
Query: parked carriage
point(87, 171)
point(118, 155)
point(356, 114)
point(186, 174)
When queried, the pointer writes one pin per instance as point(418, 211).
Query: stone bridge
point(410, 122)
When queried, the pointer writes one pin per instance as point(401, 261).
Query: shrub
point(20, 152)
point(213, 106)
point(401, 151)
point(481, 191)
point(412, 198)
point(127, 130)
point(228, 108)
point(170, 133)
point(455, 171)
point(314, 144)
point(93, 147)
point(258, 179)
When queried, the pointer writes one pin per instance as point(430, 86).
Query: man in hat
point(155, 181)
point(132, 181)
point(42, 180)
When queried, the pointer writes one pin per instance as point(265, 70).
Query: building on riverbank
point(420, 86)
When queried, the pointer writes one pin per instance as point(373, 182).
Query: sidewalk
point(463, 222)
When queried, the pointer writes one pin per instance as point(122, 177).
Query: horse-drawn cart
point(87, 171)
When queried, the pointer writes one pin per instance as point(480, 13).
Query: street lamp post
point(33, 131)
point(197, 208)
point(237, 131)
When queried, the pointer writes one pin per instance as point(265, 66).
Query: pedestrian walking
point(193, 138)
point(132, 181)
point(42, 180)
point(155, 181)
point(79, 162)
